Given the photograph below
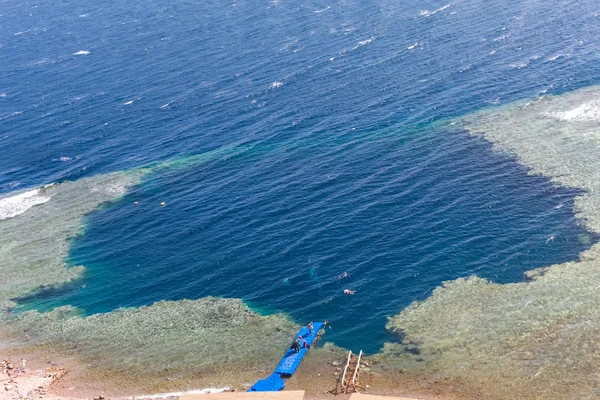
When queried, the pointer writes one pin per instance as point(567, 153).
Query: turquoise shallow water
point(346, 169)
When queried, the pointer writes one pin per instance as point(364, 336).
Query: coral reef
point(34, 243)
point(209, 336)
point(533, 339)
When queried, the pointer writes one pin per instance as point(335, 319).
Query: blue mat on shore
point(273, 383)
point(291, 360)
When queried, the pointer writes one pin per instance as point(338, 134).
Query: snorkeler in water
point(342, 276)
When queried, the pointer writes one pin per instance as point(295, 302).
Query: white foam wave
point(276, 85)
point(325, 9)
point(427, 13)
point(44, 61)
point(14, 205)
point(178, 394)
point(11, 115)
point(556, 57)
point(289, 45)
point(519, 65)
point(81, 53)
point(586, 112)
point(128, 103)
point(225, 93)
point(364, 42)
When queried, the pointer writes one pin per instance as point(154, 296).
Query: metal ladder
point(348, 382)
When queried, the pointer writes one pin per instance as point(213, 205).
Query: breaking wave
point(17, 204)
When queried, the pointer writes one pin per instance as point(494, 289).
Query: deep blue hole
point(399, 214)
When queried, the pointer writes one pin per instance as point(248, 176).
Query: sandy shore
point(51, 375)
point(33, 383)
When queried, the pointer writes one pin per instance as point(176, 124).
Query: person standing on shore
point(295, 345)
point(310, 328)
point(303, 343)
point(23, 364)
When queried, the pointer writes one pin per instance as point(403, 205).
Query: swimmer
point(342, 276)
point(348, 291)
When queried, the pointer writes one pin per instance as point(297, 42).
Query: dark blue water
point(347, 171)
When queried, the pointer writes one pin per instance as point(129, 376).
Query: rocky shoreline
point(68, 380)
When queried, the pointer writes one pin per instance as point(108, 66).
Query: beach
point(63, 378)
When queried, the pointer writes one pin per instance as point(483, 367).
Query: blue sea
point(350, 162)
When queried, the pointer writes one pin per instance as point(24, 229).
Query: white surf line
point(325, 9)
point(178, 394)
